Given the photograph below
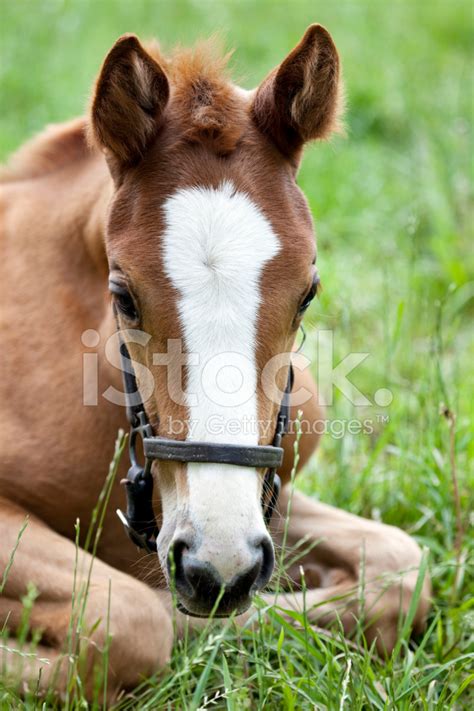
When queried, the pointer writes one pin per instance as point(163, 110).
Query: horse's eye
point(123, 301)
point(310, 295)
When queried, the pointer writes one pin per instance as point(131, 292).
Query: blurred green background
point(392, 203)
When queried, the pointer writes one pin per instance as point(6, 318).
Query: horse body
point(53, 265)
point(72, 212)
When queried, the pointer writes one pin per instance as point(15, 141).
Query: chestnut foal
point(183, 196)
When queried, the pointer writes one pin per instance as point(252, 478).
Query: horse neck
point(91, 197)
point(72, 205)
point(87, 214)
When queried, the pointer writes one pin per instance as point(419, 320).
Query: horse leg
point(371, 568)
point(358, 571)
point(33, 665)
point(355, 569)
point(121, 614)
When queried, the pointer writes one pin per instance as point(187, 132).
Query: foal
point(183, 199)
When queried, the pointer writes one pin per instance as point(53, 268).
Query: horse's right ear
point(130, 95)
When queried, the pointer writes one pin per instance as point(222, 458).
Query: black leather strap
point(173, 450)
point(283, 419)
point(135, 409)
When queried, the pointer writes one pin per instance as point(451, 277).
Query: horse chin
point(193, 610)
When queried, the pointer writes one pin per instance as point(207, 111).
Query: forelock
point(208, 107)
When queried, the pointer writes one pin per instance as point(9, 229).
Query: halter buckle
point(139, 539)
point(139, 520)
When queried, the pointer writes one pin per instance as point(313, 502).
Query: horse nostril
point(257, 576)
point(176, 566)
point(268, 561)
point(202, 580)
point(192, 578)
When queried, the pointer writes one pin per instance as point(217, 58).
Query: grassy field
point(393, 208)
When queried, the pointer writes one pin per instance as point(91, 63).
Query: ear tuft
point(301, 99)
point(130, 96)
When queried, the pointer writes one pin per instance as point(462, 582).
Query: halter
point(139, 520)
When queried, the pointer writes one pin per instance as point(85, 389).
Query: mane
point(55, 147)
point(207, 104)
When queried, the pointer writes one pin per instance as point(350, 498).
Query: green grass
point(393, 209)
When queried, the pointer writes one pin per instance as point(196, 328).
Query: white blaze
point(216, 244)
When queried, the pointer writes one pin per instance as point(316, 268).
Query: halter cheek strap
point(139, 520)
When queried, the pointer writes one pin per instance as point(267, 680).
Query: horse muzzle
point(200, 588)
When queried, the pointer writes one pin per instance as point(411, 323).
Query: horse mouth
point(222, 610)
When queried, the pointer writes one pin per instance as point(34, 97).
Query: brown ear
point(128, 102)
point(300, 100)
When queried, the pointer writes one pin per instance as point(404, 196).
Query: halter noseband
point(139, 520)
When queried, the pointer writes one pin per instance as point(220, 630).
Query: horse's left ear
point(127, 107)
point(301, 99)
